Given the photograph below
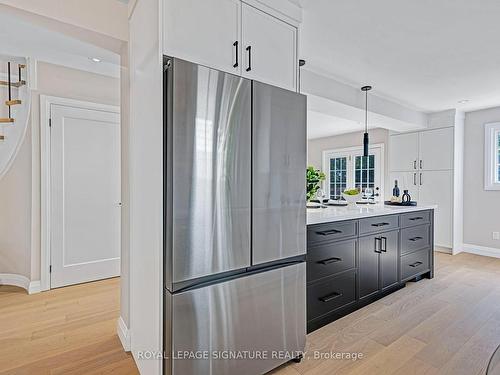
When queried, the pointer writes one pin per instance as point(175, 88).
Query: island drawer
point(329, 295)
point(330, 231)
point(330, 258)
point(415, 218)
point(378, 224)
point(415, 238)
point(415, 263)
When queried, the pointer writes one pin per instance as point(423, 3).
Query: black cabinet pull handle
point(329, 232)
point(249, 50)
point(330, 297)
point(414, 164)
point(378, 245)
point(421, 163)
point(416, 218)
point(415, 238)
point(420, 178)
point(330, 260)
point(235, 44)
point(383, 248)
point(415, 179)
point(416, 264)
point(379, 224)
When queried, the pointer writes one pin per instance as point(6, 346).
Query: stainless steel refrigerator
point(235, 222)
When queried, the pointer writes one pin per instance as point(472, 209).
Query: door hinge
point(50, 269)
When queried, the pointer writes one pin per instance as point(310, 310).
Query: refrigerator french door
point(234, 236)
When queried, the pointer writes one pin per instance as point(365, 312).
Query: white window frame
point(491, 177)
point(355, 151)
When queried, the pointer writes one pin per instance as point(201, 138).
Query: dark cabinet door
point(369, 250)
point(389, 259)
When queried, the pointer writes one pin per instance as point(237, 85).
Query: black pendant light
point(366, 141)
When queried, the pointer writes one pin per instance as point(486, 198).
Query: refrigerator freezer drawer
point(262, 314)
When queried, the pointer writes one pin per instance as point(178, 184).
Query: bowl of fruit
point(351, 195)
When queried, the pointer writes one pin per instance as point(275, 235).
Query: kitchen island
point(360, 253)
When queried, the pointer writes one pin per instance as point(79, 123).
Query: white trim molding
point(34, 287)
point(45, 106)
point(379, 171)
point(123, 333)
point(20, 281)
point(481, 250)
point(491, 177)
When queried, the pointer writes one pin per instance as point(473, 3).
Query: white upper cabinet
point(234, 37)
point(269, 49)
point(205, 32)
point(436, 149)
point(403, 155)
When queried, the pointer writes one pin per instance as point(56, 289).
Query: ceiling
point(21, 38)
point(425, 54)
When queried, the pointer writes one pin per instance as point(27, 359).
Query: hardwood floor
point(448, 325)
point(66, 331)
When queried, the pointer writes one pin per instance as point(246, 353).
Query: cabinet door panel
point(403, 152)
point(406, 181)
point(389, 259)
point(436, 187)
point(368, 266)
point(436, 149)
point(203, 32)
point(272, 57)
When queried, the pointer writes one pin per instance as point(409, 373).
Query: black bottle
point(395, 191)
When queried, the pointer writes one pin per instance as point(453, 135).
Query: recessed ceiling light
point(463, 101)
point(95, 59)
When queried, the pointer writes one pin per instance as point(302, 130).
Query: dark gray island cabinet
point(352, 263)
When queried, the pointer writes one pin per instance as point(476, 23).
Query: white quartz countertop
point(332, 213)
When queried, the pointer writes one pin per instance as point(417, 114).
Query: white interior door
point(84, 195)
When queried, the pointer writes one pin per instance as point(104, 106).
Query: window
point(492, 156)
point(347, 168)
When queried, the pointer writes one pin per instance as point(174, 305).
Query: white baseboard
point(123, 334)
point(441, 249)
point(34, 287)
point(481, 250)
point(15, 280)
point(20, 281)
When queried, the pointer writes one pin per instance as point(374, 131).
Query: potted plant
point(314, 177)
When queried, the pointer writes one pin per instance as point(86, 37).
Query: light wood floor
point(448, 325)
point(66, 331)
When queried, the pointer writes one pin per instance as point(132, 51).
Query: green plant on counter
point(313, 177)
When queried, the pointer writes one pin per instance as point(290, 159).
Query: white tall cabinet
point(214, 33)
point(233, 36)
point(429, 164)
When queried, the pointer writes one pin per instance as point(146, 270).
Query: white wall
point(15, 213)
point(20, 187)
point(315, 148)
point(481, 207)
point(146, 184)
point(106, 17)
